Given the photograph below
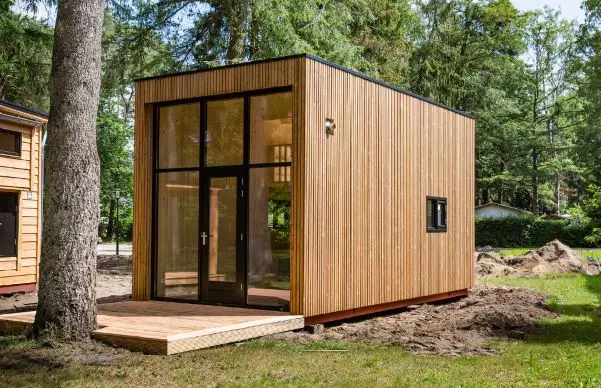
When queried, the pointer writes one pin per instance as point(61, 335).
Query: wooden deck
point(169, 328)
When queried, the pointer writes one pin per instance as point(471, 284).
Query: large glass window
point(178, 213)
point(225, 132)
point(179, 136)
point(271, 128)
point(198, 219)
point(223, 197)
point(269, 238)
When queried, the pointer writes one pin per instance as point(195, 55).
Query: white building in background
point(496, 210)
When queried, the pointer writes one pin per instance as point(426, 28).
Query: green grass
point(567, 351)
point(520, 251)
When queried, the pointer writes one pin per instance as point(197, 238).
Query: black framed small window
point(10, 142)
point(436, 214)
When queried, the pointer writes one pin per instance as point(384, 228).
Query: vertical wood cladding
point(359, 197)
point(365, 236)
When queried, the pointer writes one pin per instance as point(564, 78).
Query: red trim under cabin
point(342, 315)
point(17, 288)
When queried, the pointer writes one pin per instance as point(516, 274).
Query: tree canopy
point(532, 79)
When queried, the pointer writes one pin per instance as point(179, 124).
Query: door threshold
point(208, 303)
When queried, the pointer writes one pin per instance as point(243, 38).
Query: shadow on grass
point(580, 323)
point(593, 284)
point(581, 329)
point(28, 362)
point(12, 341)
point(23, 363)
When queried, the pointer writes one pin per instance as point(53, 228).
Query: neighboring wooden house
point(296, 184)
point(20, 199)
point(497, 211)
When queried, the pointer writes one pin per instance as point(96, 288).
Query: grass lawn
point(566, 352)
point(596, 253)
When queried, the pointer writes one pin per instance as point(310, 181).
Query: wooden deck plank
point(169, 328)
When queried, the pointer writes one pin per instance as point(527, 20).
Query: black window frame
point(206, 170)
point(437, 228)
point(18, 142)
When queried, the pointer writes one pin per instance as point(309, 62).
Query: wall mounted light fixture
point(330, 127)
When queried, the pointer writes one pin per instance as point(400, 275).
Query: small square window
point(436, 214)
point(10, 143)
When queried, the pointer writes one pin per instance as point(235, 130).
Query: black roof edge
point(23, 108)
point(274, 59)
point(325, 62)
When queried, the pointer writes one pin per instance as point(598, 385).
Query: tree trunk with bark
point(67, 296)
point(535, 182)
point(237, 18)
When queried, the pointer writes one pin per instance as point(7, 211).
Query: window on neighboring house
point(436, 214)
point(10, 143)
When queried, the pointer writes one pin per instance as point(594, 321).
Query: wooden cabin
point(20, 196)
point(299, 185)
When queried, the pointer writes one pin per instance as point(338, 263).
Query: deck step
point(169, 328)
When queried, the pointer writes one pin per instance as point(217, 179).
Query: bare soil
point(466, 326)
point(55, 355)
point(553, 257)
point(113, 283)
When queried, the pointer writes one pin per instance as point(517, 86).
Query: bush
point(594, 238)
point(526, 232)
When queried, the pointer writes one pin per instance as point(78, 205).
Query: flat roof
point(321, 60)
point(23, 108)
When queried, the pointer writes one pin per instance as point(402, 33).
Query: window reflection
point(269, 239)
point(177, 235)
point(222, 233)
point(225, 132)
point(179, 136)
point(271, 128)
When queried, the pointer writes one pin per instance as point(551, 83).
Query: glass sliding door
point(269, 200)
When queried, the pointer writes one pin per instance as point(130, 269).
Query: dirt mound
point(462, 327)
point(492, 264)
point(554, 257)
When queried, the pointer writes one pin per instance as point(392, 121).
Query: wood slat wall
point(253, 76)
point(358, 215)
point(364, 231)
point(20, 175)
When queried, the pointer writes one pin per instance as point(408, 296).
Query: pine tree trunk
point(558, 194)
point(535, 182)
point(67, 296)
point(238, 14)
